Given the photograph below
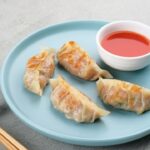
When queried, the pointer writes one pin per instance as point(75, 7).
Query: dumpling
point(39, 69)
point(75, 60)
point(124, 95)
point(74, 104)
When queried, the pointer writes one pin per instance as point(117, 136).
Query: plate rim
point(51, 133)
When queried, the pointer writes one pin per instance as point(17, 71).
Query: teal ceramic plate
point(119, 127)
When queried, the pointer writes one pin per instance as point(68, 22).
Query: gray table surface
point(18, 18)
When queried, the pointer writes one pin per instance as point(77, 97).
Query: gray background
point(18, 18)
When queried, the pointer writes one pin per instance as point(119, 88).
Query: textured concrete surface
point(20, 17)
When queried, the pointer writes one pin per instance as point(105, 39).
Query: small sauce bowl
point(121, 62)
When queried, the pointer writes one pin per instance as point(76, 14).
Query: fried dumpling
point(39, 69)
point(76, 61)
point(124, 95)
point(74, 104)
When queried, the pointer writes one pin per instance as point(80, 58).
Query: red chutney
point(126, 43)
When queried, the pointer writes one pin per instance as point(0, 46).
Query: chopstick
point(9, 142)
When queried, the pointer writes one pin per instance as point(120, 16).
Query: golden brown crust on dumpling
point(124, 95)
point(74, 104)
point(39, 69)
point(75, 60)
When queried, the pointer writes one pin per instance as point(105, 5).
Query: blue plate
point(119, 127)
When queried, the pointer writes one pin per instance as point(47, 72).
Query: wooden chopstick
point(9, 142)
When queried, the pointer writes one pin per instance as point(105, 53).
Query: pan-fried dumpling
point(39, 69)
point(75, 60)
point(74, 104)
point(124, 95)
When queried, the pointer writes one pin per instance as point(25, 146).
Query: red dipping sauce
point(126, 43)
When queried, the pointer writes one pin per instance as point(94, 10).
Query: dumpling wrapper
point(39, 69)
point(74, 104)
point(76, 61)
point(124, 95)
